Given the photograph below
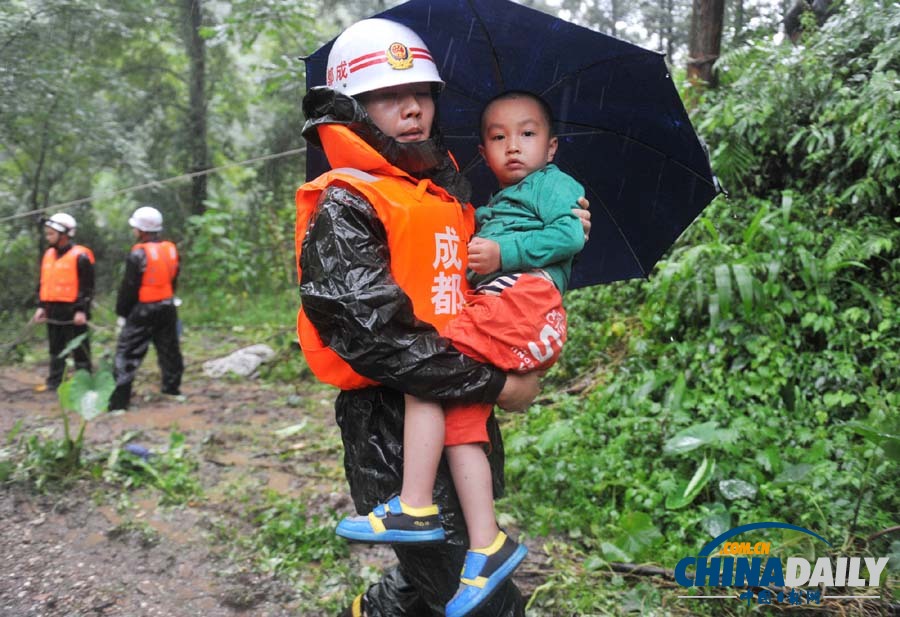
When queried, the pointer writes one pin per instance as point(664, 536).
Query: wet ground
point(91, 549)
point(94, 549)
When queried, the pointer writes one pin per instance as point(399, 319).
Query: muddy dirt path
point(93, 549)
point(88, 551)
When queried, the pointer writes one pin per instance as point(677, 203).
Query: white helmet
point(146, 219)
point(378, 53)
point(63, 223)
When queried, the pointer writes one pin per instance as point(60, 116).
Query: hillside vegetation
point(755, 376)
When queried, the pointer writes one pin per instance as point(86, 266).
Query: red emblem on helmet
point(399, 56)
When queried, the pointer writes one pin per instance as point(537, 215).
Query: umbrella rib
point(573, 75)
point(487, 35)
point(593, 130)
point(619, 229)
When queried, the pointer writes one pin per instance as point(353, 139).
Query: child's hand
point(484, 256)
point(582, 213)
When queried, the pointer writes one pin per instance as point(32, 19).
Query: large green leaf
point(685, 493)
point(883, 437)
point(87, 394)
point(717, 521)
point(692, 438)
point(72, 345)
point(636, 533)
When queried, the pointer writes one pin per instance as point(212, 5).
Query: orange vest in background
point(59, 277)
point(427, 234)
point(162, 266)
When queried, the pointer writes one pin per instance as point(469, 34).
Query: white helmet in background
point(63, 223)
point(378, 53)
point(146, 219)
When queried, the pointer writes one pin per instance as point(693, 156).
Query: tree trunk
point(739, 20)
point(661, 11)
point(192, 10)
point(705, 43)
point(615, 14)
point(670, 29)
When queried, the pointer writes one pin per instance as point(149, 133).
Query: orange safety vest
point(427, 234)
point(59, 277)
point(162, 266)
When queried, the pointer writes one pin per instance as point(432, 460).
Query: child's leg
point(412, 517)
point(472, 477)
point(423, 443)
point(492, 556)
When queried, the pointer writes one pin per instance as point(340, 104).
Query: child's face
point(516, 139)
point(403, 112)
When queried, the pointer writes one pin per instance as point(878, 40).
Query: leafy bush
point(174, 472)
point(234, 254)
point(756, 375)
point(818, 119)
point(19, 269)
point(43, 459)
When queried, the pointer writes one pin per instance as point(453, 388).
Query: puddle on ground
point(281, 482)
point(156, 417)
point(110, 514)
point(183, 534)
point(237, 459)
point(94, 539)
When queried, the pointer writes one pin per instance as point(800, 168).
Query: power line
point(137, 187)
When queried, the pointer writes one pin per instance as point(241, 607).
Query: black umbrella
point(623, 131)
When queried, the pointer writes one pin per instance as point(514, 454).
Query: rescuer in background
point(146, 303)
point(66, 289)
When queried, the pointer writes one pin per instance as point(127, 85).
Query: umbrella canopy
point(623, 131)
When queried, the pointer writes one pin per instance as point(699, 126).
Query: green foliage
point(286, 537)
point(40, 458)
point(756, 375)
point(234, 254)
point(18, 259)
point(44, 460)
point(173, 472)
point(821, 118)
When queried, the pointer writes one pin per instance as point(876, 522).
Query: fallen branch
point(883, 532)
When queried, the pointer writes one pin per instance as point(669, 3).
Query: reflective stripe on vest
point(59, 277)
point(162, 265)
point(427, 234)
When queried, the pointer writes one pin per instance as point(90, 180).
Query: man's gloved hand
point(120, 323)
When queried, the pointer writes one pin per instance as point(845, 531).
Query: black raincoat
point(145, 322)
point(346, 281)
point(61, 330)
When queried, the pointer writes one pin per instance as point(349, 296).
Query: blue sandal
point(394, 523)
point(484, 571)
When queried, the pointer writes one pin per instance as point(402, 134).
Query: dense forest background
point(755, 376)
point(99, 98)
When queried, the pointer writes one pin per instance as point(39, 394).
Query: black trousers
point(59, 335)
point(427, 576)
point(155, 322)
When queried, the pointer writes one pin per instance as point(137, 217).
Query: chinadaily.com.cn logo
point(748, 566)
